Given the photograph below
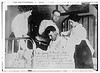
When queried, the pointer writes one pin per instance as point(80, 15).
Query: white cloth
point(45, 23)
point(58, 45)
point(19, 25)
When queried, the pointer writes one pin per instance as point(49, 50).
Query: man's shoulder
point(18, 17)
point(80, 26)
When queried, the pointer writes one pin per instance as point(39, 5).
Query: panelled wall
point(88, 21)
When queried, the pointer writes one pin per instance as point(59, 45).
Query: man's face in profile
point(72, 23)
point(53, 35)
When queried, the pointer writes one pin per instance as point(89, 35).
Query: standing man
point(57, 43)
point(77, 41)
point(19, 27)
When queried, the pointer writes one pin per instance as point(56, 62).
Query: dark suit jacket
point(83, 56)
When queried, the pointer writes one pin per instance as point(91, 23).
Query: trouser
point(83, 56)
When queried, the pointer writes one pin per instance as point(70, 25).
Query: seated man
point(57, 43)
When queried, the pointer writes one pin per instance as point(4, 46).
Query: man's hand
point(64, 33)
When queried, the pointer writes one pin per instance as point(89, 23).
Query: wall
point(11, 12)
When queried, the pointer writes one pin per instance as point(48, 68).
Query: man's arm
point(65, 33)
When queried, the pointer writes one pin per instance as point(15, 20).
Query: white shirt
point(19, 25)
point(45, 23)
point(78, 33)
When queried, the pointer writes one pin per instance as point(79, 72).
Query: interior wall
point(10, 13)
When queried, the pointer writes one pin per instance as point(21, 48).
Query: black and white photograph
point(50, 36)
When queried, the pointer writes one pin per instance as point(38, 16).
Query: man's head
point(56, 15)
point(51, 32)
point(26, 9)
point(73, 19)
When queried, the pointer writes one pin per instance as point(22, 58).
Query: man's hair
point(48, 29)
point(56, 11)
point(25, 8)
point(74, 17)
